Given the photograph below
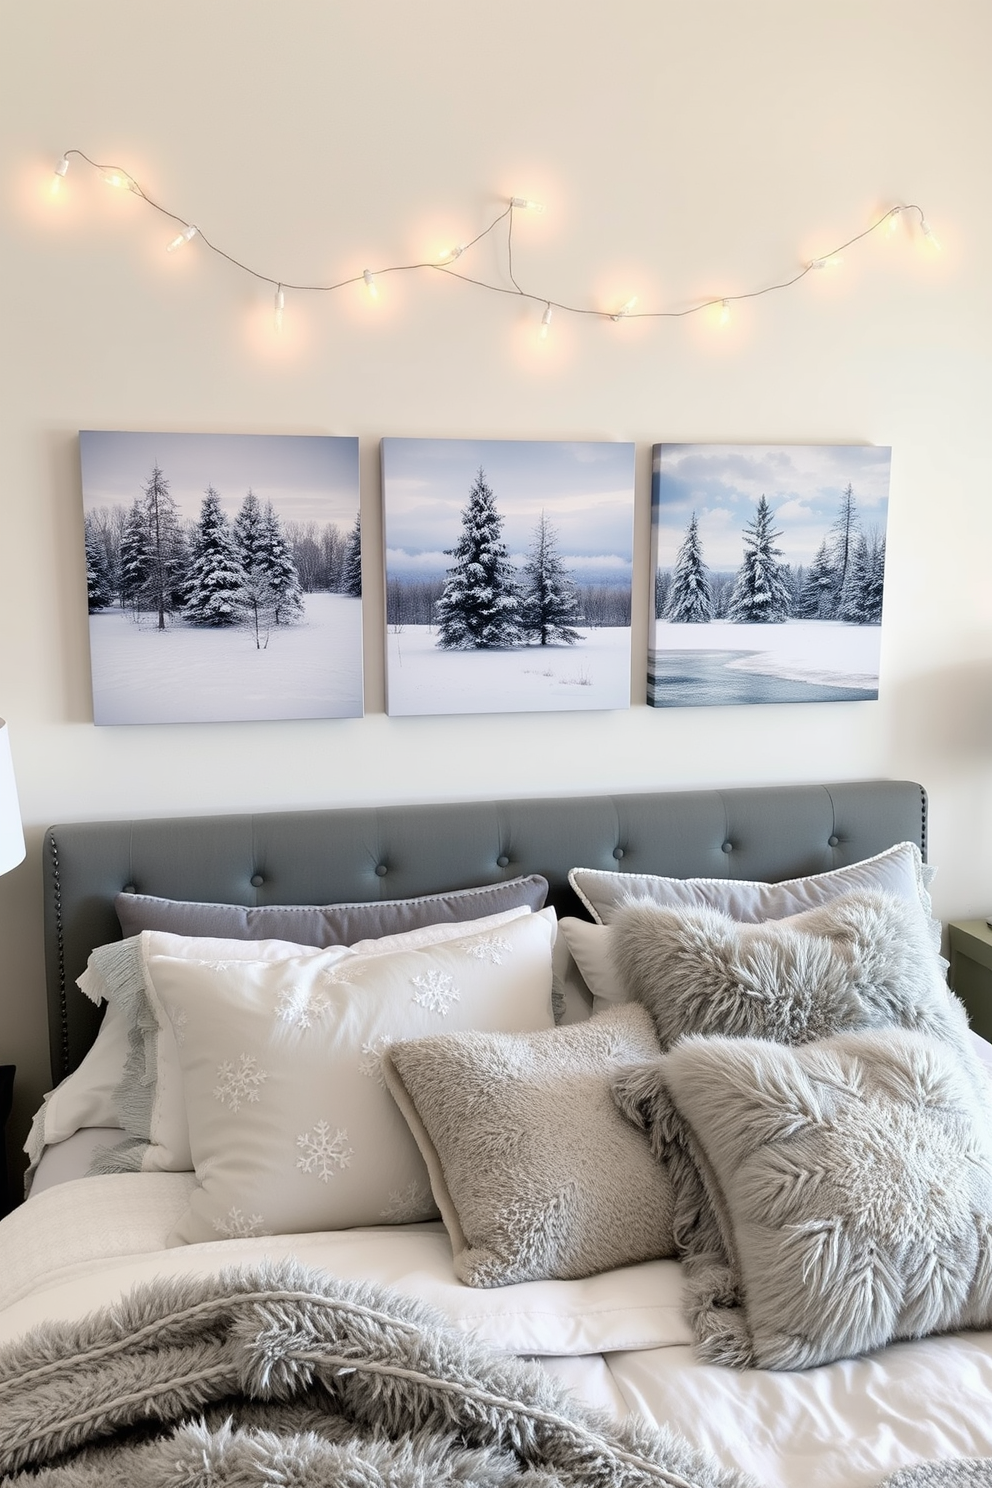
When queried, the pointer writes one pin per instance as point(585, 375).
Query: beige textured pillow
point(291, 1128)
point(535, 1172)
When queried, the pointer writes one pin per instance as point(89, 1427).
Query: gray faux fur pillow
point(863, 961)
point(852, 1181)
point(535, 1171)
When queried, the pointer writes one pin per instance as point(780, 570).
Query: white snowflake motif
point(436, 991)
point(218, 965)
point(236, 1225)
point(337, 976)
point(370, 1064)
point(406, 1204)
point(237, 1083)
point(179, 1020)
point(490, 948)
point(300, 1007)
point(322, 1153)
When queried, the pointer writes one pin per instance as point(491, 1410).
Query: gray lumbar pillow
point(535, 1171)
point(864, 961)
point(852, 1183)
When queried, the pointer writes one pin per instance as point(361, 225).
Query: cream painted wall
point(682, 149)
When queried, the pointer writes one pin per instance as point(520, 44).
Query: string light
point(445, 263)
point(928, 233)
point(59, 175)
point(278, 308)
point(189, 231)
point(625, 309)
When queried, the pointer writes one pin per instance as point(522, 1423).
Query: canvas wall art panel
point(769, 567)
point(508, 573)
point(223, 576)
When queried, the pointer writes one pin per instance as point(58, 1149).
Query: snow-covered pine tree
point(662, 581)
point(280, 571)
point(549, 605)
point(249, 533)
point(874, 580)
point(480, 604)
point(216, 578)
point(862, 595)
point(135, 559)
point(99, 588)
point(845, 532)
point(816, 598)
point(166, 548)
point(761, 594)
point(351, 569)
point(689, 599)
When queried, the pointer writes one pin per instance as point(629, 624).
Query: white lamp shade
point(11, 835)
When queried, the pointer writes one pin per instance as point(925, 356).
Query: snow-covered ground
point(423, 678)
point(188, 674)
point(822, 651)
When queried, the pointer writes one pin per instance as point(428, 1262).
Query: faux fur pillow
point(852, 1182)
point(863, 961)
point(534, 1170)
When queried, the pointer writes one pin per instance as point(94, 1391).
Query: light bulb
point(279, 307)
point(928, 233)
point(370, 284)
point(724, 312)
point(119, 178)
point(625, 309)
point(832, 261)
point(60, 171)
point(895, 216)
point(545, 323)
point(530, 206)
point(448, 254)
point(188, 232)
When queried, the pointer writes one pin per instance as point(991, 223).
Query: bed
point(615, 1338)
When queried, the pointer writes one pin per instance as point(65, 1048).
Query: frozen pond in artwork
point(799, 661)
point(592, 673)
point(193, 674)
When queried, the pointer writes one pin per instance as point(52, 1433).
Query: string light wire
point(117, 176)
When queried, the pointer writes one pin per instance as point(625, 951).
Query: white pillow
point(291, 1127)
point(147, 1093)
point(86, 1097)
point(899, 870)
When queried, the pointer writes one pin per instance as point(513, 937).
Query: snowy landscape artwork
point(223, 576)
point(769, 563)
point(508, 571)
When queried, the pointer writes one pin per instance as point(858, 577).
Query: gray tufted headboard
point(368, 853)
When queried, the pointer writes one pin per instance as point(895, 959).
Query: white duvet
point(618, 1339)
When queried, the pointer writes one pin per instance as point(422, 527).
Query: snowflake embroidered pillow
point(291, 1128)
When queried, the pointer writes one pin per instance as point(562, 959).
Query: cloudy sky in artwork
point(307, 477)
point(586, 489)
point(803, 484)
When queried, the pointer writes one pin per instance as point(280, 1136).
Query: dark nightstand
point(971, 971)
point(6, 1097)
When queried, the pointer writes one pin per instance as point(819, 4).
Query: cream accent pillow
point(149, 1102)
point(535, 1172)
point(591, 951)
point(291, 1128)
point(899, 870)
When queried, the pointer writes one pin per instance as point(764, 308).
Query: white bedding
point(617, 1339)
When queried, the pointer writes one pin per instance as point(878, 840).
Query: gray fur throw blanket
point(282, 1375)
